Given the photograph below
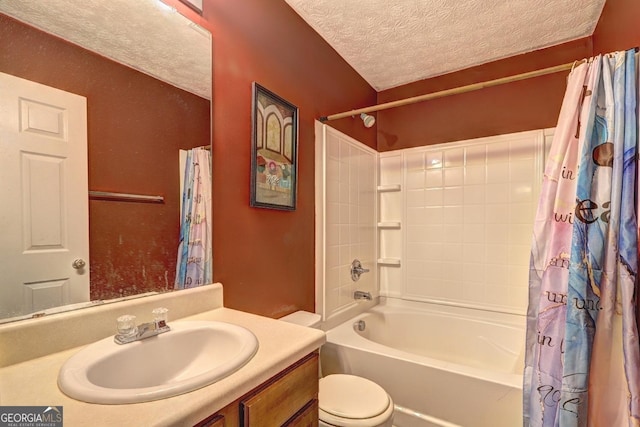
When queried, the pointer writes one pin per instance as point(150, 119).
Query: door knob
point(78, 264)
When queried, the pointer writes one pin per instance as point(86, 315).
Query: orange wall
point(519, 106)
point(525, 105)
point(265, 258)
point(618, 27)
point(131, 150)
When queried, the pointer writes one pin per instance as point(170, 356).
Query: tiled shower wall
point(466, 211)
point(346, 179)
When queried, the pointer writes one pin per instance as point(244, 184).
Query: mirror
point(145, 71)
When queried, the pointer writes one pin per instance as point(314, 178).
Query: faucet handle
point(357, 270)
point(160, 313)
point(126, 325)
point(160, 316)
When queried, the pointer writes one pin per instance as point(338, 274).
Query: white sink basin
point(190, 356)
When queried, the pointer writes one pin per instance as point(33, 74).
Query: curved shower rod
point(454, 91)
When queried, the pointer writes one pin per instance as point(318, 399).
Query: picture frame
point(274, 151)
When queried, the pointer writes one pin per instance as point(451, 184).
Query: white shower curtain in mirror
point(194, 251)
point(582, 356)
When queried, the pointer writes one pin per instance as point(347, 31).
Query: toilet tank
point(303, 318)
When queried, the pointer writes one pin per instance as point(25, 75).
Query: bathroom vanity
point(290, 398)
point(279, 385)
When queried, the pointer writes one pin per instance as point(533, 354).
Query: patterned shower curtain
point(194, 251)
point(582, 364)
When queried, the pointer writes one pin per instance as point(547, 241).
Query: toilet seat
point(348, 400)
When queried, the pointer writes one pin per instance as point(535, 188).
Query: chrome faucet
point(357, 270)
point(129, 332)
point(362, 295)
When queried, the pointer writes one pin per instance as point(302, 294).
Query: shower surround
point(466, 214)
point(448, 223)
point(346, 178)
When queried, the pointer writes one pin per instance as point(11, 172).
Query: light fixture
point(367, 120)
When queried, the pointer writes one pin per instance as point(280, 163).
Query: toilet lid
point(349, 396)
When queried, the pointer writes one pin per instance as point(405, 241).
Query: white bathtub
point(443, 366)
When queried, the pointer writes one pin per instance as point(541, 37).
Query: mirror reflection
point(136, 125)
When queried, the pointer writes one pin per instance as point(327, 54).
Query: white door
point(44, 214)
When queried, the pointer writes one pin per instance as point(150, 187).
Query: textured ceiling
point(391, 43)
point(144, 34)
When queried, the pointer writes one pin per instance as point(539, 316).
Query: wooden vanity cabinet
point(289, 398)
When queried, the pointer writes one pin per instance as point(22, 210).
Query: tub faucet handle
point(357, 270)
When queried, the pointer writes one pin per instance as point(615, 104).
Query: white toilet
point(347, 400)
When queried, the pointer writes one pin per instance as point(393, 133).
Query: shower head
point(367, 120)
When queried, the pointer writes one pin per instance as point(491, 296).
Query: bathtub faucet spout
point(362, 295)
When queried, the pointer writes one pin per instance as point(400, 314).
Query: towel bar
point(124, 197)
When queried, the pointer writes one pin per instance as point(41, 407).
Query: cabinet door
point(282, 397)
point(226, 417)
point(214, 421)
point(307, 417)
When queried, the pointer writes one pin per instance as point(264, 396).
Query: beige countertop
point(34, 382)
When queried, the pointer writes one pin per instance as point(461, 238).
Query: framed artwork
point(274, 151)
